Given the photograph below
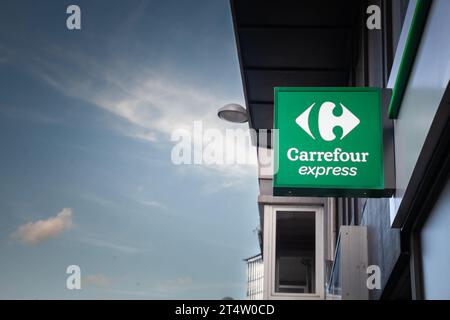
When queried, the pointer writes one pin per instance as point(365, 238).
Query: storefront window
point(295, 252)
point(435, 237)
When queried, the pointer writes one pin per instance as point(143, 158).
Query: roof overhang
point(307, 43)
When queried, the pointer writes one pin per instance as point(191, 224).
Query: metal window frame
point(270, 212)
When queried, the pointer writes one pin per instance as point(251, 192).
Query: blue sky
point(85, 124)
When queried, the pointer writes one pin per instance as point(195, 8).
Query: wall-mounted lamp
point(233, 113)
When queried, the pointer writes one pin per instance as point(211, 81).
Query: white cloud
point(122, 248)
point(91, 197)
point(154, 204)
point(96, 280)
point(34, 233)
point(153, 103)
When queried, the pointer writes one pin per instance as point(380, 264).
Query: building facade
point(328, 247)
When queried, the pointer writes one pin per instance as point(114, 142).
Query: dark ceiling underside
point(304, 43)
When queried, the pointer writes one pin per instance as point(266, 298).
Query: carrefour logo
point(327, 121)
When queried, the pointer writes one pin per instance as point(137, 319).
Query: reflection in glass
point(295, 252)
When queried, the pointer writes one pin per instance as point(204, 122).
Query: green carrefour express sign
point(330, 141)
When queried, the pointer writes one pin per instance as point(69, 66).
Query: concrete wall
point(383, 241)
